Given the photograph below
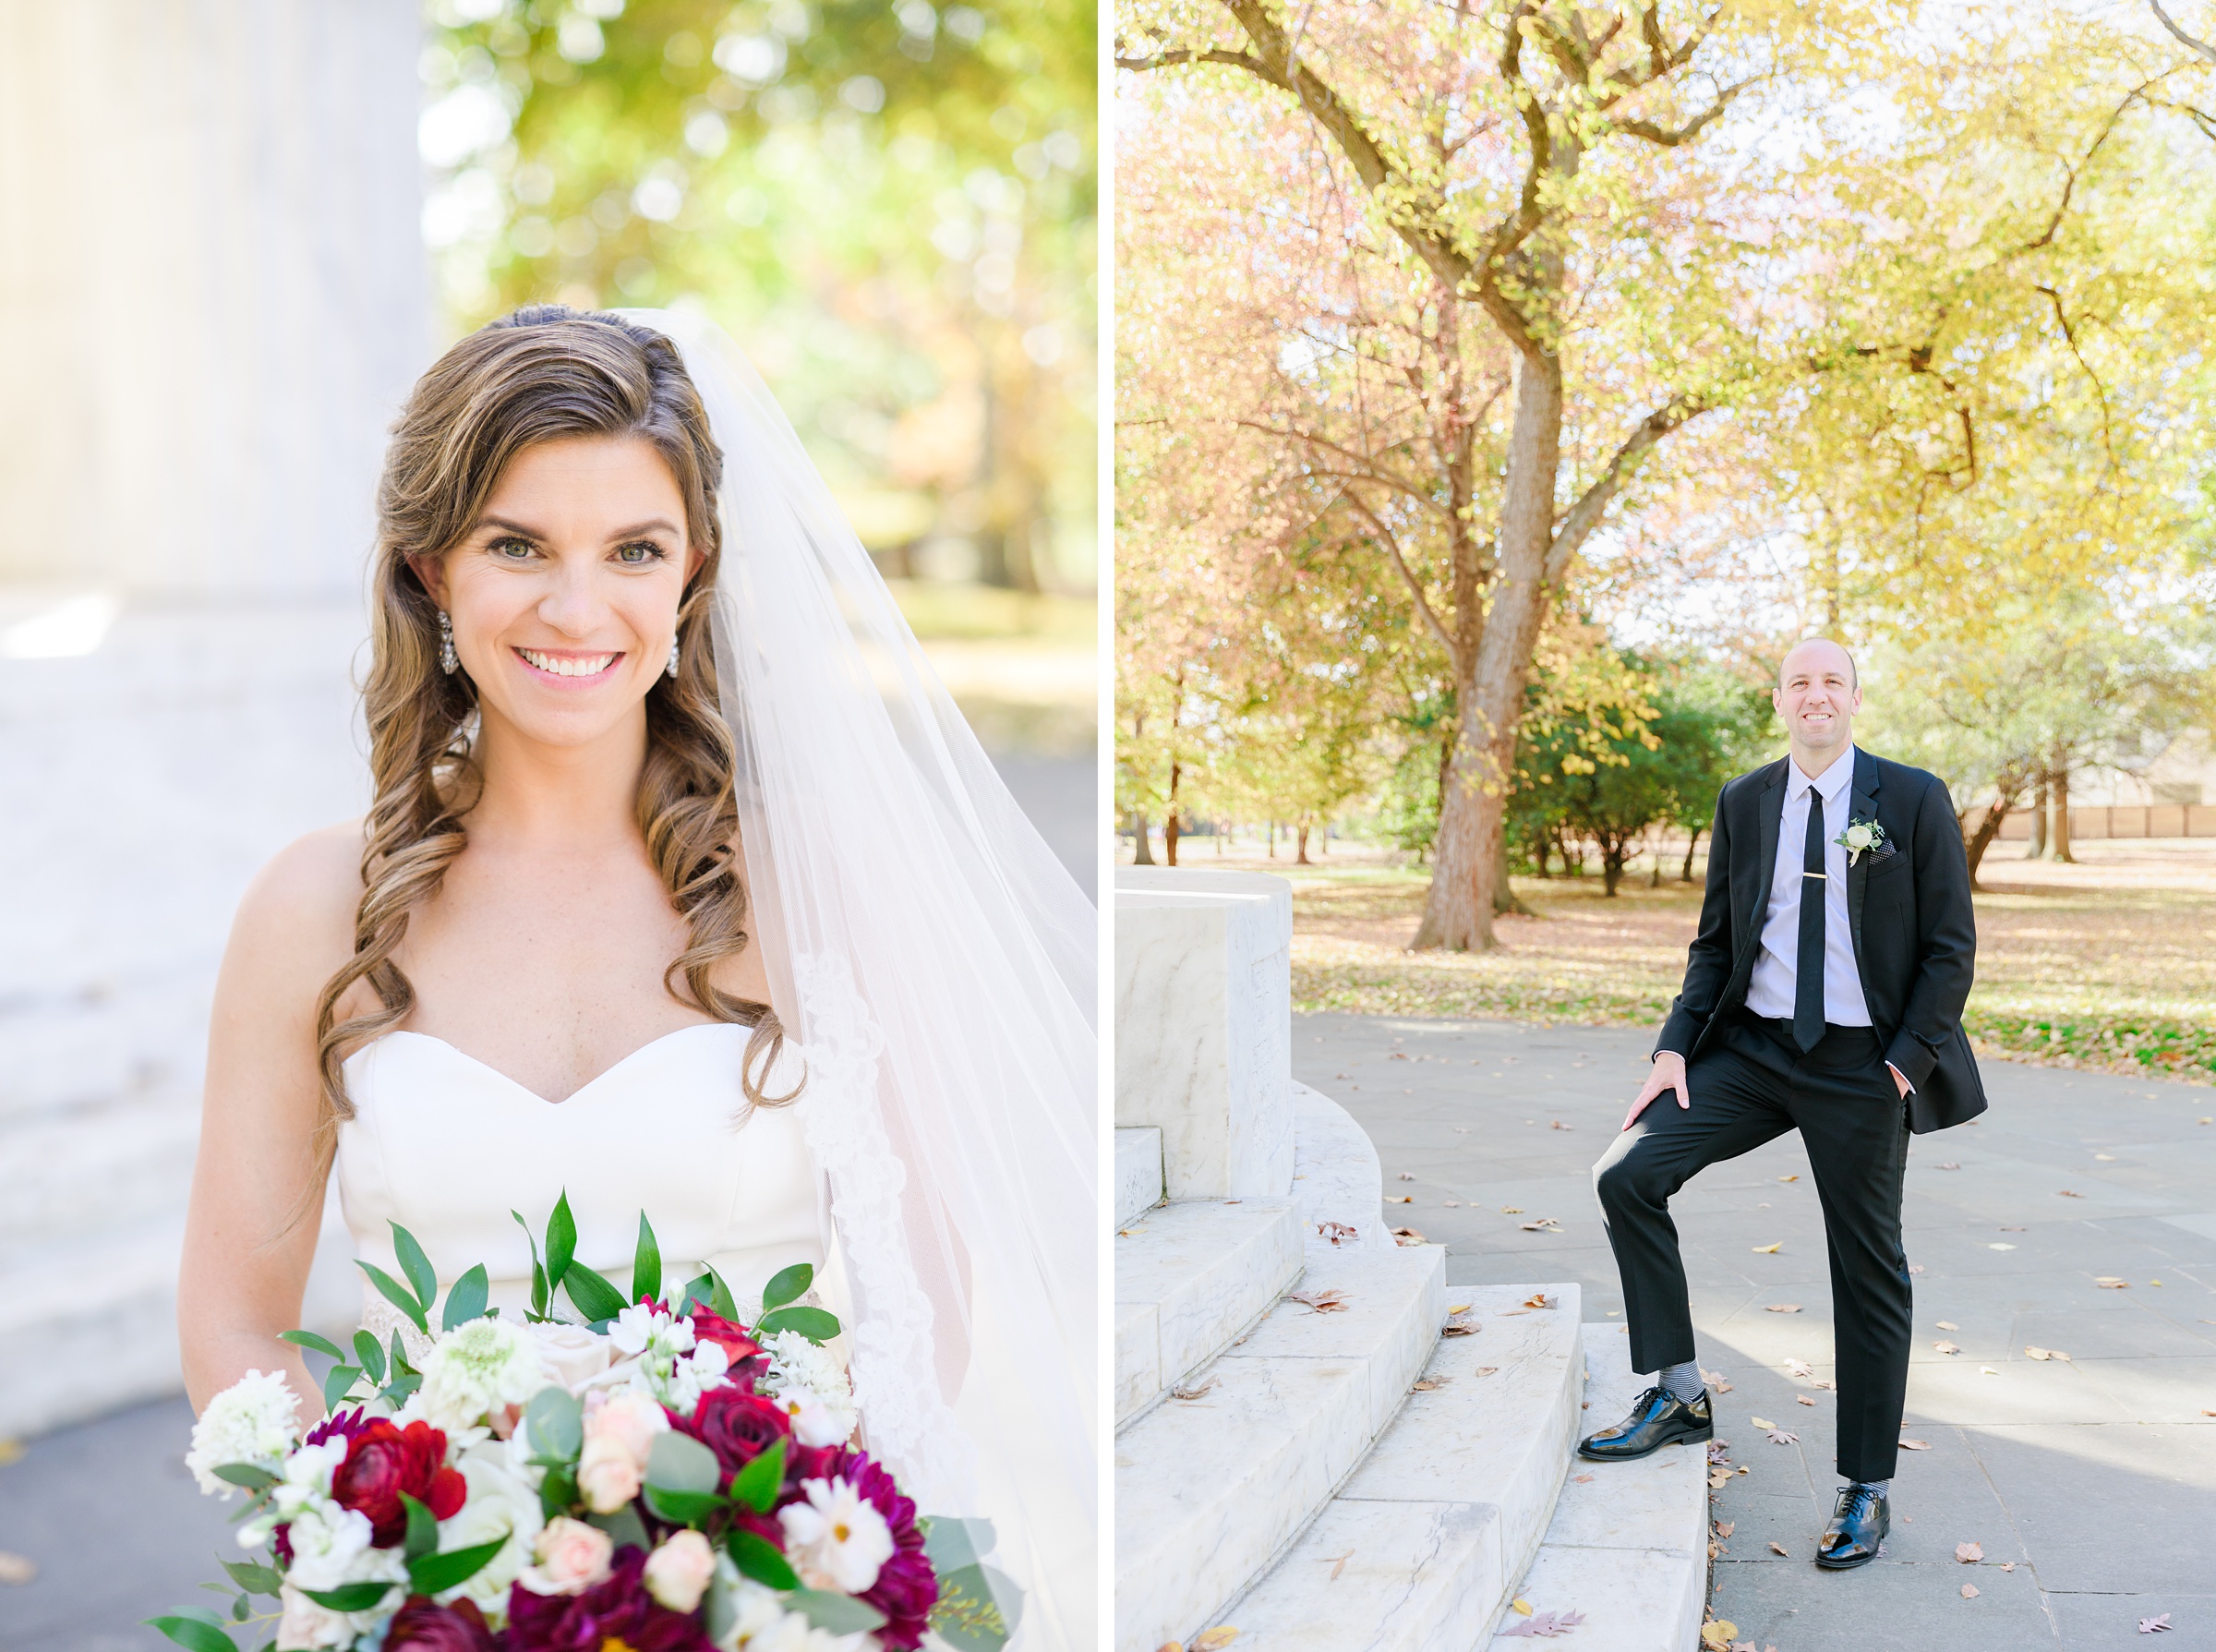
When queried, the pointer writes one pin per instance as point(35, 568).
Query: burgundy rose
point(618, 1608)
point(422, 1625)
point(383, 1462)
point(908, 1585)
point(736, 1425)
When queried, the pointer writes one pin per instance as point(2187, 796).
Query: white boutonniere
point(1859, 837)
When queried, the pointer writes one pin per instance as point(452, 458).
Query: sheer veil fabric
point(937, 964)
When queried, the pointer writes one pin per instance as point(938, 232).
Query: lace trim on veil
point(910, 1427)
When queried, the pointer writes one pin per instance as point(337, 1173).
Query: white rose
point(501, 1503)
point(1857, 837)
point(326, 1543)
point(482, 1367)
point(837, 1534)
point(575, 1353)
point(761, 1624)
point(253, 1422)
point(304, 1625)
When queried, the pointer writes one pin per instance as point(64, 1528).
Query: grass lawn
point(2110, 963)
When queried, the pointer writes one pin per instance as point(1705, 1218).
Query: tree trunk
point(1685, 876)
point(1611, 868)
point(1144, 856)
point(1504, 892)
point(1458, 915)
point(1169, 820)
point(2037, 848)
point(1988, 829)
point(1274, 839)
point(1301, 858)
point(2058, 834)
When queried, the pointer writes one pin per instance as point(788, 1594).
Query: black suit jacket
point(1908, 905)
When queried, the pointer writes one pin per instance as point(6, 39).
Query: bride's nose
point(574, 604)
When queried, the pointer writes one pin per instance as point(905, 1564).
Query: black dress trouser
point(1749, 1087)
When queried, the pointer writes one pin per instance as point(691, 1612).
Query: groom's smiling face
point(1817, 695)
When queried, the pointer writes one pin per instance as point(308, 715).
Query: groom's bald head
point(1815, 657)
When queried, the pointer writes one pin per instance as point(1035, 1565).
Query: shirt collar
point(1828, 784)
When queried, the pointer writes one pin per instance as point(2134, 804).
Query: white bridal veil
point(936, 963)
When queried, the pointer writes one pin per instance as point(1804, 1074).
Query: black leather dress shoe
point(1856, 1530)
point(1656, 1420)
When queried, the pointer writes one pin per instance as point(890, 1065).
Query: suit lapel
point(1771, 804)
point(1861, 805)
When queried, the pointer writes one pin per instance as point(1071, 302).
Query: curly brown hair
point(543, 373)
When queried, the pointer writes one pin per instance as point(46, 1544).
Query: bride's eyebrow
point(483, 522)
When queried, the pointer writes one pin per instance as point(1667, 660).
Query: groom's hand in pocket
point(1667, 1073)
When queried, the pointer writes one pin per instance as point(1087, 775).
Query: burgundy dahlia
point(340, 1424)
point(422, 1625)
point(908, 1585)
point(618, 1608)
point(383, 1462)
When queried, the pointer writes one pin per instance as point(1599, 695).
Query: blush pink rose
point(678, 1573)
point(572, 1556)
point(607, 1474)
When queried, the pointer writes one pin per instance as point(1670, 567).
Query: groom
point(1822, 992)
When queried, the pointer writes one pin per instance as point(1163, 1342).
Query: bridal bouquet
point(650, 1477)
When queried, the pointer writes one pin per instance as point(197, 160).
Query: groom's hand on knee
point(1667, 1073)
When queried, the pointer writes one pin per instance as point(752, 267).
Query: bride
point(683, 889)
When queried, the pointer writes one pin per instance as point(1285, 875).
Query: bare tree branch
point(2069, 334)
point(1584, 516)
point(1415, 588)
point(1171, 59)
point(2184, 39)
point(1669, 138)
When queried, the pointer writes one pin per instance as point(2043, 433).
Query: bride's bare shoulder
point(299, 910)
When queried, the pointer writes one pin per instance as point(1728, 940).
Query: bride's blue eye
point(510, 548)
point(638, 553)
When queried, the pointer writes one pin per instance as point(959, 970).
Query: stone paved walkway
point(2093, 1477)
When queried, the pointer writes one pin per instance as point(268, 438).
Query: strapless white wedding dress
point(446, 1147)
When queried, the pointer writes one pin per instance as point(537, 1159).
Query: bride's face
point(564, 593)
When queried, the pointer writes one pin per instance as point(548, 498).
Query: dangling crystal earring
point(672, 656)
point(447, 660)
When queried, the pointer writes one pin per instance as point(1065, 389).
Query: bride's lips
point(568, 667)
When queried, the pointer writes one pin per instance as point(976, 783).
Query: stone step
point(1138, 1172)
point(1189, 1276)
point(1335, 1176)
point(1628, 1547)
point(1415, 1552)
point(1208, 1489)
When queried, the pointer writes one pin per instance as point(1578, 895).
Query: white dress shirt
point(1770, 989)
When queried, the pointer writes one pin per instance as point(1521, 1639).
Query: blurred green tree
point(892, 207)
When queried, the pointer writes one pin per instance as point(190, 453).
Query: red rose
point(736, 1425)
point(736, 1342)
point(381, 1462)
point(618, 1608)
point(422, 1627)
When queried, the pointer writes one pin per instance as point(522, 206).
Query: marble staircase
point(1320, 1444)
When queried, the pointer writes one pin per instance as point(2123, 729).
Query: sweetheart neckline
point(523, 1089)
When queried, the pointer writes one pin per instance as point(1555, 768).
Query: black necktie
point(1807, 969)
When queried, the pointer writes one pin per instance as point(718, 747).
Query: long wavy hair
point(543, 373)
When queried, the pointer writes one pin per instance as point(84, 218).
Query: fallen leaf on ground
point(1171, 1646)
point(1718, 1635)
point(1544, 1626)
point(1800, 1367)
point(1545, 1225)
point(1915, 1267)
point(1400, 1199)
point(2111, 1157)
point(1559, 1125)
point(1986, 1370)
point(1952, 1165)
point(1715, 1381)
point(1801, 1399)
point(16, 1568)
point(1520, 1605)
point(2016, 1230)
point(2065, 1193)
point(1783, 1308)
point(1718, 1479)
point(1784, 1437)
point(1582, 1479)
point(1453, 1204)
point(1718, 1450)
point(1538, 1299)
point(1511, 1210)
point(11, 1451)
point(1769, 1249)
point(1486, 1370)
point(1789, 1178)
point(1338, 1562)
point(2154, 1625)
point(1946, 1348)
point(2008, 1565)
point(1322, 1302)
point(1777, 1549)
point(1461, 1307)
point(1458, 1331)
point(1336, 1232)
point(1969, 1591)
point(1193, 1392)
point(1222, 1634)
point(2108, 1282)
point(1947, 1324)
point(1429, 1384)
point(1915, 1445)
point(1724, 1528)
point(1969, 1554)
point(1408, 1175)
point(1407, 1236)
point(1822, 1383)
point(2033, 1353)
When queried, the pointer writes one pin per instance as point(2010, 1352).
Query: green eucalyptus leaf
point(416, 1265)
point(397, 1294)
point(788, 1285)
point(466, 1300)
point(592, 1295)
point(433, 1573)
point(834, 1614)
point(976, 1611)
point(646, 1264)
point(682, 1508)
point(370, 1356)
point(622, 1527)
point(194, 1633)
point(679, 1462)
point(757, 1557)
point(949, 1543)
point(759, 1482)
point(309, 1339)
point(557, 1423)
point(561, 1243)
point(398, 1392)
point(811, 1322)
